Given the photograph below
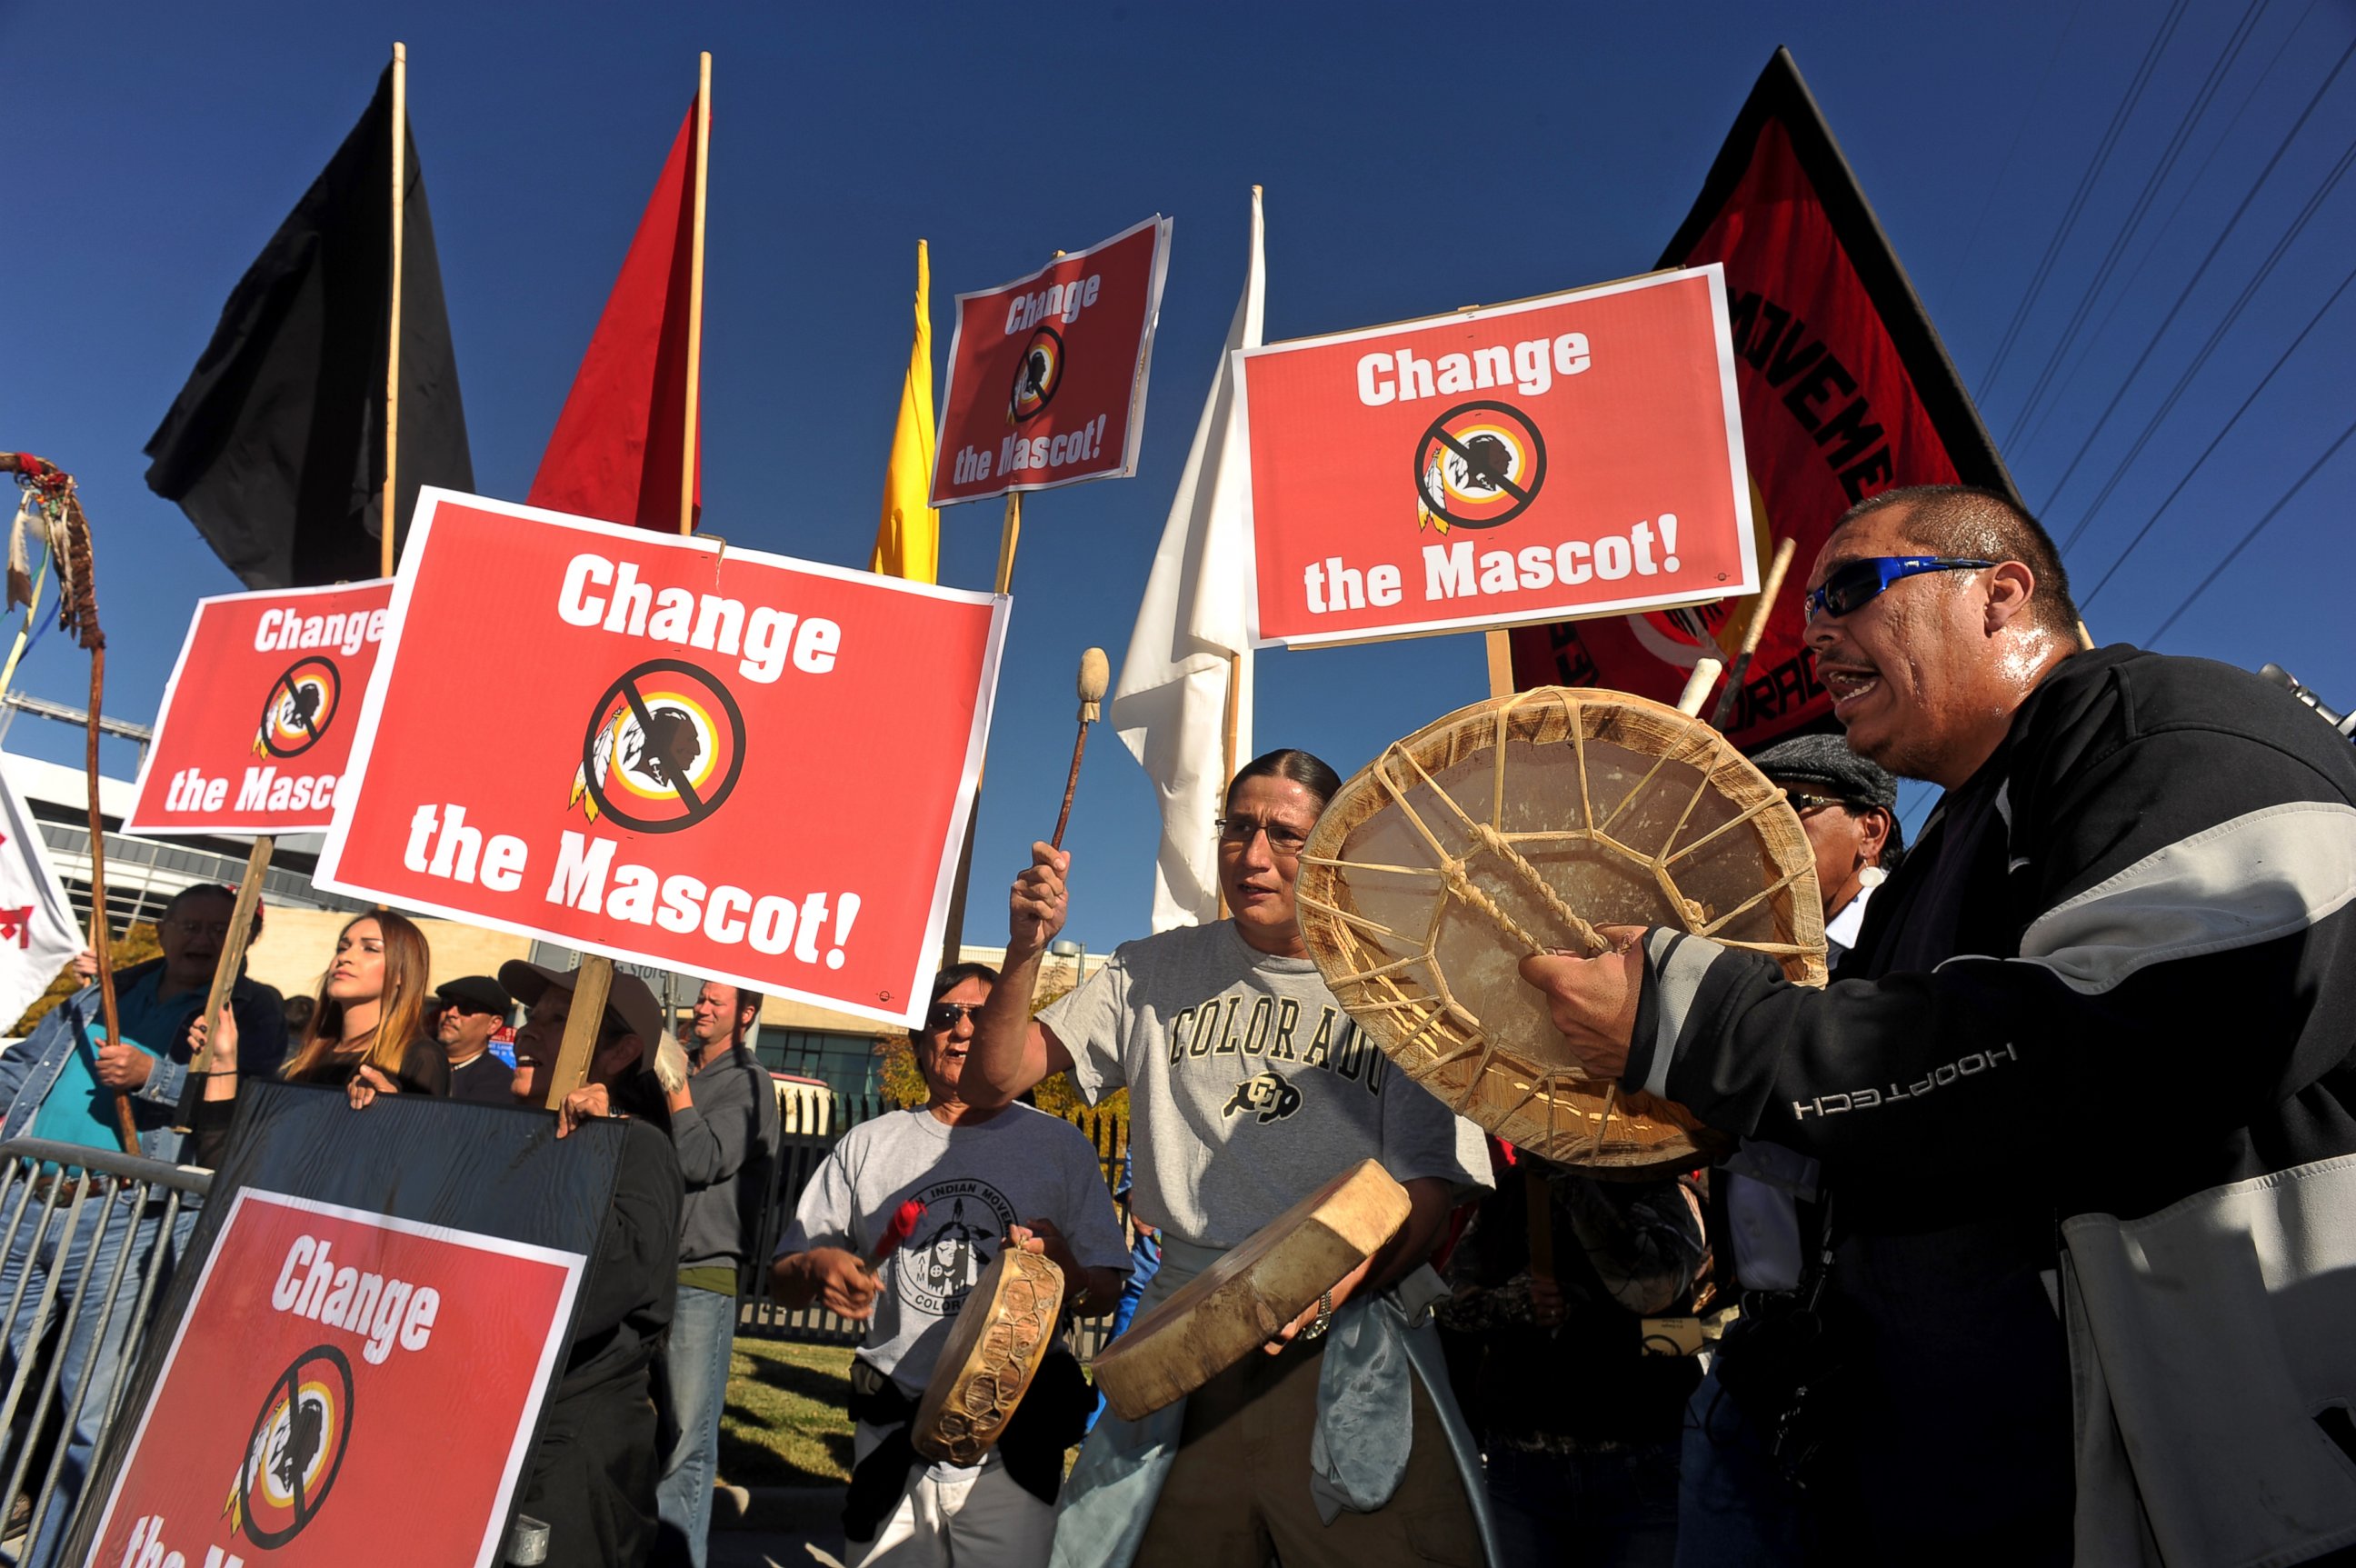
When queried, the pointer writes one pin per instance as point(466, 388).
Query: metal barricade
point(88, 1241)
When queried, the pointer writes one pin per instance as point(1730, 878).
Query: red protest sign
point(1047, 373)
point(257, 721)
point(324, 1351)
point(1570, 455)
point(710, 760)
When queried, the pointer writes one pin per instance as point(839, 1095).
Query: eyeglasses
point(1803, 801)
point(1853, 585)
point(945, 1015)
point(1284, 842)
point(466, 1009)
point(216, 929)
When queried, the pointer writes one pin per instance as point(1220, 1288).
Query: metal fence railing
point(798, 1161)
point(88, 1241)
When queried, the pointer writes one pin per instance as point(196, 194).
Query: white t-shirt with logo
point(1249, 1085)
point(974, 1181)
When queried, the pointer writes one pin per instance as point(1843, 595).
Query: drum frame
point(1405, 1005)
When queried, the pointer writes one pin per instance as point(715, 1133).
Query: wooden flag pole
point(231, 959)
point(687, 448)
point(1501, 662)
point(388, 517)
point(593, 983)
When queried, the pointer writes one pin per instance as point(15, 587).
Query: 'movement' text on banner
point(712, 760)
point(1570, 455)
point(1846, 391)
point(1047, 373)
point(258, 718)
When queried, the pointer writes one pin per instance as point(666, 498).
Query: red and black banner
point(1845, 388)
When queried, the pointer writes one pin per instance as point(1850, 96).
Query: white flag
point(37, 932)
point(1171, 704)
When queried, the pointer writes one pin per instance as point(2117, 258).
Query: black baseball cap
point(630, 1006)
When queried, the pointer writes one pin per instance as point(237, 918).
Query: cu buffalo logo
point(1267, 1098)
point(301, 705)
point(297, 1450)
point(1037, 377)
point(1478, 466)
point(663, 750)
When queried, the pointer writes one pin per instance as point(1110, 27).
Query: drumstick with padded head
point(1096, 674)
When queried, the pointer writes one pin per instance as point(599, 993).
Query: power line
point(2217, 335)
point(2158, 246)
point(2219, 438)
point(2125, 234)
point(2255, 528)
point(2169, 320)
point(2078, 199)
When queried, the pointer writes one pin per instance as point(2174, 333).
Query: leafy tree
point(136, 945)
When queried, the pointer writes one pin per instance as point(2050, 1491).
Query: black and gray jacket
point(2119, 969)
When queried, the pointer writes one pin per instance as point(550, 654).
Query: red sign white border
point(918, 984)
point(161, 829)
point(560, 1334)
point(1738, 468)
point(1138, 389)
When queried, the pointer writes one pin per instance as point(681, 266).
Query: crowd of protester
point(1719, 1366)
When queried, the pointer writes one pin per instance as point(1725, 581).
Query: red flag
point(1846, 391)
point(616, 453)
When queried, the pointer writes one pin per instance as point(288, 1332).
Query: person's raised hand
point(1041, 899)
point(671, 1067)
point(584, 1104)
point(122, 1065)
point(1593, 1000)
point(366, 1085)
point(85, 966)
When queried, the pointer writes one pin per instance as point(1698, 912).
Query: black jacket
point(2119, 969)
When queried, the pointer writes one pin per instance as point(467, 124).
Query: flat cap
point(1825, 761)
point(477, 991)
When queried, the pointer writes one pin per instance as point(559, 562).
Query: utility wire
point(2158, 245)
point(2125, 234)
point(2070, 214)
point(2169, 320)
point(2255, 528)
point(2193, 366)
point(2215, 441)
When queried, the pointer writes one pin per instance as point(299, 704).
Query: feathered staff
point(53, 506)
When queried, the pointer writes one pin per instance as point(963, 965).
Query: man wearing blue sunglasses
point(2085, 1075)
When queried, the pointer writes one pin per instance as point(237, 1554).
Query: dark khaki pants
point(1239, 1492)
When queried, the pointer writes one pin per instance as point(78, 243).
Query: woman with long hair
point(365, 1030)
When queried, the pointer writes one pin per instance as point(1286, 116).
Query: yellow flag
point(908, 538)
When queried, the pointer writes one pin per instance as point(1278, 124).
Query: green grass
point(784, 1424)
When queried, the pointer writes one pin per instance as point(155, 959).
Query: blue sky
point(1415, 159)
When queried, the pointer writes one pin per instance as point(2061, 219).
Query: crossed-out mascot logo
point(297, 1450)
point(301, 705)
point(952, 1244)
point(1478, 466)
point(664, 748)
point(1036, 378)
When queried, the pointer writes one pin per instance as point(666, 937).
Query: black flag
point(275, 447)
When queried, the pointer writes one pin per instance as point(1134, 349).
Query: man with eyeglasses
point(961, 1180)
point(473, 1008)
point(1248, 1087)
point(2116, 975)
